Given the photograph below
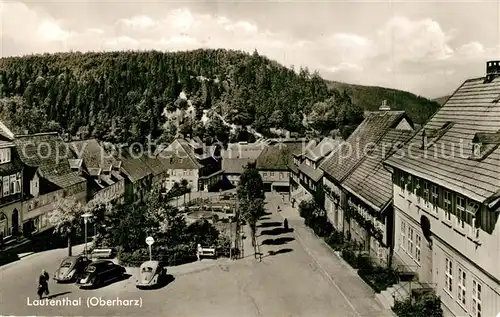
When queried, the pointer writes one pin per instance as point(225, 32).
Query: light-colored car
point(151, 274)
point(71, 268)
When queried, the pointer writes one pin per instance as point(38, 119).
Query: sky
point(428, 48)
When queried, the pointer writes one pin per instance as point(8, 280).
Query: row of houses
point(37, 170)
point(425, 200)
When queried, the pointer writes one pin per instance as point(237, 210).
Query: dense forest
point(123, 97)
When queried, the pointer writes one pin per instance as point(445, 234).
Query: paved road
point(288, 282)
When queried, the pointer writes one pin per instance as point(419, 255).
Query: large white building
point(446, 188)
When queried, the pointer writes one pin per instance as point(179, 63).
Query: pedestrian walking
point(285, 224)
point(43, 284)
point(199, 251)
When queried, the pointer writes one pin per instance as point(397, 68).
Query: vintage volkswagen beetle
point(151, 274)
point(71, 268)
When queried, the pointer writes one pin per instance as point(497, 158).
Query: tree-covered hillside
point(123, 97)
point(419, 109)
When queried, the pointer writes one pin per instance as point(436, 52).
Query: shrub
point(429, 305)
point(335, 240)
point(349, 256)
point(364, 263)
point(223, 245)
point(179, 254)
point(7, 257)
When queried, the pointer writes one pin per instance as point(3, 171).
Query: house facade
point(358, 196)
point(306, 174)
point(11, 173)
point(197, 163)
point(236, 157)
point(47, 178)
point(447, 199)
point(102, 171)
point(275, 161)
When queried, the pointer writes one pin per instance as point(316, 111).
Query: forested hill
point(123, 96)
point(418, 108)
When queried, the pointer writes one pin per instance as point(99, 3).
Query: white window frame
point(417, 189)
point(448, 275)
point(447, 205)
point(461, 288)
point(460, 212)
point(6, 186)
point(476, 299)
point(403, 235)
point(418, 242)
point(426, 194)
point(410, 240)
point(402, 184)
point(435, 197)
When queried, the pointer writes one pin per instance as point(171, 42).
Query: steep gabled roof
point(279, 156)
point(340, 162)
point(473, 108)
point(370, 181)
point(179, 155)
point(325, 147)
point(48, 153)
point(237, 155)
point(134, 167)
point(92, 153)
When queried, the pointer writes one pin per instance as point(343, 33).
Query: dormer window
point(483, 144)
point(431, 136)
point(476, 149)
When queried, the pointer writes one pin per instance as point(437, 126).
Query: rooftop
point(474, 110)
point(370, 181)
point(340, 162)
point(279, 156)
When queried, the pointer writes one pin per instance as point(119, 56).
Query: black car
point(71, 268)
point(100, 272)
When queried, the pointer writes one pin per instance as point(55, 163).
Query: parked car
point(151, 274)
point(71, 268)
point(100, 272)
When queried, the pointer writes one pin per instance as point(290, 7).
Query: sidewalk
point(355, 290)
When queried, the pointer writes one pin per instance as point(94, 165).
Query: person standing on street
point(43, 284)
point(199, 251)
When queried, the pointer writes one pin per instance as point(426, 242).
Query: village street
point(297, 277)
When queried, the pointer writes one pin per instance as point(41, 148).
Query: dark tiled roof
point(370, 181)
point(237, 156)
point(107, 179)
point(10, 167)
point(47, 151)
point(473, 109)
point(278, 156)
point(339, 163)
point(154, 164)
point(325, 147)
point(314, 174)
point(235, 165)
point(178, 155)
point(92, 153)
point(134, 168)
point(66, 180)
point(117, 175)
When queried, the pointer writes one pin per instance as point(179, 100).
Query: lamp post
point(86, 216)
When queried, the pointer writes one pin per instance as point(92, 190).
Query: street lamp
point(86, 216)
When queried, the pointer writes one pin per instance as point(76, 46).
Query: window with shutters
point(410, 241)
point(6, 186)
point(418, 241)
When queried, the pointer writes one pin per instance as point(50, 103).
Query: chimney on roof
point(492, 70)
point(384, 106)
